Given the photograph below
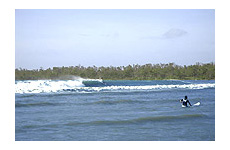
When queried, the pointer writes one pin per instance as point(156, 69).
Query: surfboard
point(196, 104)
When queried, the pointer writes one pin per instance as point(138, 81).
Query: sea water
point(114, 110)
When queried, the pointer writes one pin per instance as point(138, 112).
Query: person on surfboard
point(185, 102)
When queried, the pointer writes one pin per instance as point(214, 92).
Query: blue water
point(115, 111)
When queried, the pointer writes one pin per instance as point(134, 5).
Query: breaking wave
point(81, 85)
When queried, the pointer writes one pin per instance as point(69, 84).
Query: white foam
point(47, 86)
point(40, 86)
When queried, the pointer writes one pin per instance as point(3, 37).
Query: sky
point(113, 37)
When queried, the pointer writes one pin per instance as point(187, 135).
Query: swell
point(108, 122)
point(35, 104)
point(138, 120)
point(110, 102)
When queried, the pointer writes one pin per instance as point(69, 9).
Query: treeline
point(198, 71)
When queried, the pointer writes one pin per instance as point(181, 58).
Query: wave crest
point(94, 85)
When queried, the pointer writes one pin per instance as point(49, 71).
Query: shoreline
point(121, 79)
point(169, 71)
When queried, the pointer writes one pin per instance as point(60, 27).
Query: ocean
point(114, 110)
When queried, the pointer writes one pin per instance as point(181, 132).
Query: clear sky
point(49, 38)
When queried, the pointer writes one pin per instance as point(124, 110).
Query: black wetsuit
point(185, 102)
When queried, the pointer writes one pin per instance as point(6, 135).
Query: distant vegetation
point(131, 72)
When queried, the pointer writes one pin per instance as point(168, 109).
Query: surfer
point(185, 102)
